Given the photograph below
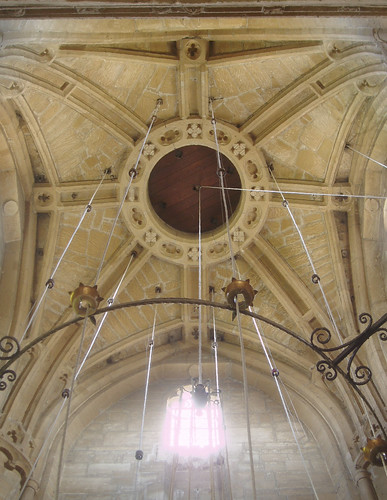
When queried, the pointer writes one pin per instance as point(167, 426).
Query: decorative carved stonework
point(150, 237)
point(254, 172)
point(138, 218)
point(149, 150)
point(194, 130)
point(161, 238)
point(171, 250)
point(252, 217)
point(218, 250)
point(170, 136)
point(239, 149)
point(193, 254)
point(257, 192)
point(222, 137)
point(193, 51)
point(238, 236)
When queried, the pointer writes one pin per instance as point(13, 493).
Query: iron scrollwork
point(365, 318)
point(326, 367)
point(322, 335)
point(362, 374)
point(9, 346)
point(10, 375)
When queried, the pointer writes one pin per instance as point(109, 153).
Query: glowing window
point(193, 432)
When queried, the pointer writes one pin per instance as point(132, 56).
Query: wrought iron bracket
point(321, 334)
point(362, 374)
point(9, 347)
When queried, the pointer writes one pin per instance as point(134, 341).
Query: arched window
point(190, 431)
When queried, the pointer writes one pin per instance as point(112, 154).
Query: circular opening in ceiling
point(174, 194)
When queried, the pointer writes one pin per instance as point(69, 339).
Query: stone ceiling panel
point(27, 65)
point(350, 65)
point(218, 47)
point(83, 257)
point(136, 85)
point(248, 86)
point(304, 149)
point(128, 322)
point(281, 233)
point(80, 150)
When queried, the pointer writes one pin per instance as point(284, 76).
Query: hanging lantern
point(85, 299)
point(375, 451)
point(199, 396)
point(239, 287)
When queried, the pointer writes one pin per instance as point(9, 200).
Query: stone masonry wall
point(101, 464)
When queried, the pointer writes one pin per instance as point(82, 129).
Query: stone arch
point(323, 416)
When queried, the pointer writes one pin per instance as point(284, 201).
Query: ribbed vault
point(76, 100)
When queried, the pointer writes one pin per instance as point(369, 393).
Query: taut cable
point(139, 451)
point(315, 276)
point(133, 173)
point(246, 398)
point(220, 172)
point(66, 423)
point(50, 282)
point(215, 347)
point(275, 374)
point(48, 435)
point(110, 303)
point(200, 291)
point(303, 193)
point(365, 156)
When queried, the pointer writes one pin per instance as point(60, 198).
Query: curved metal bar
point(202, 302)
point(362, 374)
point(146, 302)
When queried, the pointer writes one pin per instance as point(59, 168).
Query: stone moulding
point(34, 9)
point(248, 162)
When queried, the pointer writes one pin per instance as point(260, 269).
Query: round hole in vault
point(173, 188)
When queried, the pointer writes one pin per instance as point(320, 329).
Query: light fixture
point(375, 451)
point(199, 395)
point(193, 427)
point(239, 296)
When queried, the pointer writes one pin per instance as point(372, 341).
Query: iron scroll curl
point(10, 376)
point(327, 369)
point(9, 346)
point(365, 318)
point(362, 375)
point(322, 335)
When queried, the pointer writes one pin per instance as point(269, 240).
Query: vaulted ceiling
point(289, 96)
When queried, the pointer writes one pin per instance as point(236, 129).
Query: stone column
point(30, 490)
point(364, 483)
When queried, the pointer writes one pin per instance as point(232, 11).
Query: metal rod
point(347, 146)
point(275, 191)
point(222, 187)
point(181, 300)
point(200, 292)
point(67, 418)
point(50, 282)
point(246, 398)
point(132, 176)
point(295, 438)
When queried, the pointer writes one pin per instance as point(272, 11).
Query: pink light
point(193, 432)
